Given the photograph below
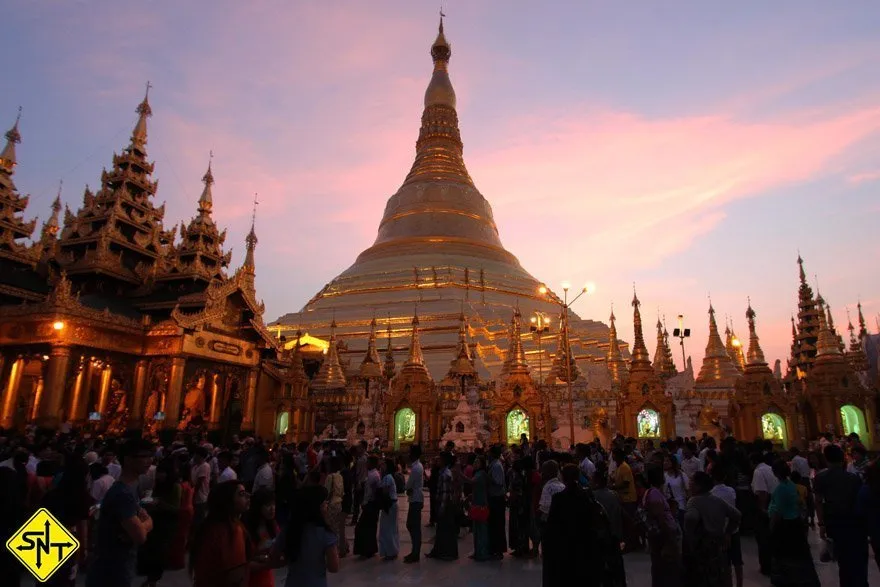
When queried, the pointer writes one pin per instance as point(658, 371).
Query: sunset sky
point(690, 147)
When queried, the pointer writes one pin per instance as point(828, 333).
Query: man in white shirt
point(764, 482)
point(224, 462)
point(799, 463)
point(265, 477)
point(109, 460)
point(201, 481)
point(101, 481)
point(586, 465)
point(550, 471)
point(689, 463)
point(414, 490)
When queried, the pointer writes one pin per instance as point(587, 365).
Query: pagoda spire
point(462, 365)
point(806, 338)
point(856, 354)
point(733, 345)
point(663, 364)
point(8, 159)
point(139, 134)
point(516, 357)
point(415, 357)
point(298, 369)
point(389, 367)
point(251, 241)
point(330, 376)
point(49, 233)
point(616, 364)
point(755, 355)
point(439, 150)
point(718, 368)
point(640, 360)
point(827, 345)
point(833, 328)
point(206, 200)
point(371, 366)
point(863, 330)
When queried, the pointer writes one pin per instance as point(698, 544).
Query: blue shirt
point(310, 567)
point(416, 482)
point(115, 552)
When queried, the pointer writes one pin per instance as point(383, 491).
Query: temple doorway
point(282, 423)
point(404, 427)
point(517, 425)
point(648, 423)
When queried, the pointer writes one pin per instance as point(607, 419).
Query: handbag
point(478, 513)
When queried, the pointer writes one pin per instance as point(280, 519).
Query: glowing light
point(542, 290)
point(590, 287)
point(566, 286)
point(534, 319)
point(58, 325)
point(736, 342)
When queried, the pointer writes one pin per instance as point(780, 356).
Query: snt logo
point(42, 545)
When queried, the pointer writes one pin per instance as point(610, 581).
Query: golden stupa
point(438, 251)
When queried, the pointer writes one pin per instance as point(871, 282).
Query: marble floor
point(512, 572)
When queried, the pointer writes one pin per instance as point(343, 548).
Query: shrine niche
point(404, 427)
point(648, 423)
point(516, 424)
point(282, 423)
point(852, 420)
point(773, 428)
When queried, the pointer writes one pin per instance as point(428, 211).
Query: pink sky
point(689, 149)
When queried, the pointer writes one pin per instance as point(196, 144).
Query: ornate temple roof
point(640, 358)
point(806, 335)
point(13, 228)
point(718, 369)
point(438, 247)
point(664, 366)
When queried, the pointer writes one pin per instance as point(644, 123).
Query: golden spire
point(298, 369)
point(415, 358)
point(831, 327)
point(389, 367)
point(663, 364)
point(863, 330)
point(734, 347)
point(8, 159)
point(330, 376)
point(206, 200)
point(563, 355)
point(827, 345)
point(756, 355)
point(462, 364)
point(717, 368)
point(370, 366)
point(616, 364)
point(51, 226)
point(139, 134)
point(251, 241)
point(856, 354)
point(516, 357)
point(439, 148)
point(640, 360)
point(803, 275)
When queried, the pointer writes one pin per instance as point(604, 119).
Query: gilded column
point(137, 407)
point(38, 397)
point(104, 393)
point(77, 397)
point(53, 389)
point(251, 401)
point(10, 394)
point(217, 383)
point(175, 389)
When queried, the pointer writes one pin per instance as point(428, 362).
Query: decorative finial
point(254, 212)
point(8, 160)
point(139, 134)
point(251, 239)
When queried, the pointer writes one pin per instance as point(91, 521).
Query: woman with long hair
point(792, 560)
point(389, 538)
point(164, 508)
point(219, 552)
point(307, 543)
point(262, 532)
point(185, 514)
point(336, 491)
point(479, 509)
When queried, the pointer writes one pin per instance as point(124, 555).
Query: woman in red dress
point(262, 531)
point(178, 548)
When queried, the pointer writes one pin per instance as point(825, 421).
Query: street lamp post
point(682, 333)
point(566, 304)
point(540, 325)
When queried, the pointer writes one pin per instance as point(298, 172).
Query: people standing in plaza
point(792, 559)
point(365, 544)
point(433, 479)
point(416, 498)
point(201, 482)
point(625, 486)
point(726, 493)
point(552, 485)
point(836, 491)
point(497, 490)
point(265, 476)
point(690, 463)
point(677, 487)
point(610, 501)
point(164, 509)
point(360, 480)
point(389, 538)
point(307, 543)
point(868, 507)
point(219, 549)
point(479, 509)
point(446, 536)
point(123, 525)
point(186, 513)
point(69, 503)
point(335, 514)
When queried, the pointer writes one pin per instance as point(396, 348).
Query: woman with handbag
point(478, 512)
point(664, 534)
point(389, 537)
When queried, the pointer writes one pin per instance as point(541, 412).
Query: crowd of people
point(230, 515)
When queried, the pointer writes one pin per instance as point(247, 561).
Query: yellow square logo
point(42, 544)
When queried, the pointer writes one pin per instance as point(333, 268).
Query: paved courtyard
point(512, 572)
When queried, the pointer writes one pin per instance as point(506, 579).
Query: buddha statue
point(117, 409)
point(193, 403)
